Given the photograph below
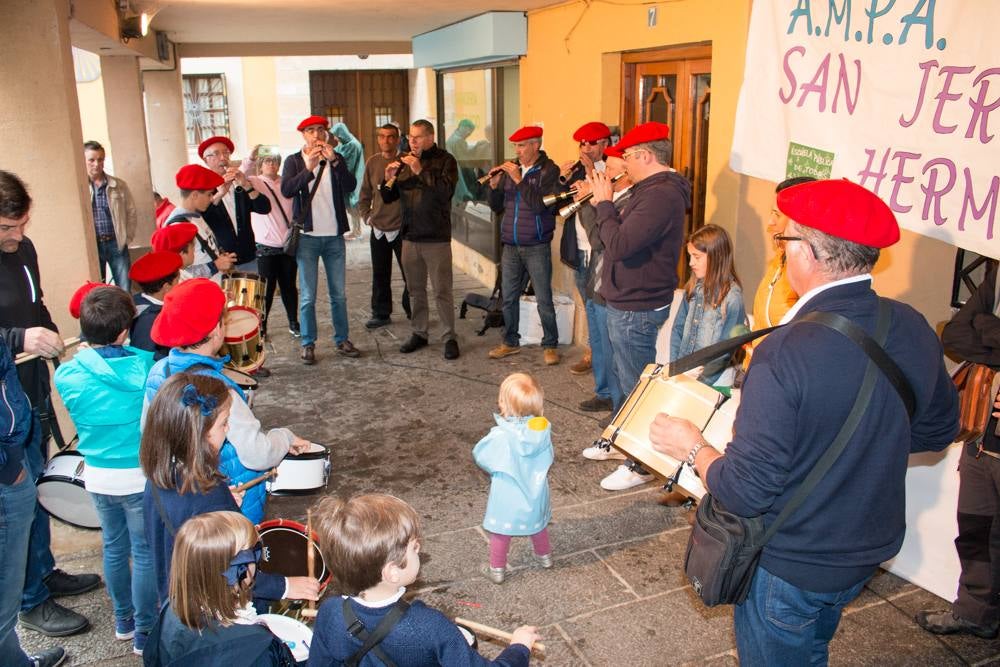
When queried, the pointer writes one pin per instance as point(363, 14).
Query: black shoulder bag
point(372, 639)
point(724, 549)
point(296, 228)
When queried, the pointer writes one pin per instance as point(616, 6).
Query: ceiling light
point(134, 27)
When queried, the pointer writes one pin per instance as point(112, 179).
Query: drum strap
point(371, 640)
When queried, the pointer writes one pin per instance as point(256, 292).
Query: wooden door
point(362, 99)
point(674, 86)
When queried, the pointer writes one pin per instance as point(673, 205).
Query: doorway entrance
point(674, 86)
point(364, 100)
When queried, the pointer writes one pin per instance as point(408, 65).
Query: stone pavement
point(406, 425)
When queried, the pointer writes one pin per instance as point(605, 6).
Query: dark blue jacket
point(238, 239)
point(526, 221)
point(424, 637)
point(297, 181)
point(178, 508)
point(799, 389)
point(140, 335)
point(15, 418)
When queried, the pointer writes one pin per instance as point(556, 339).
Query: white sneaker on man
point(595, 453)
point(623, 478)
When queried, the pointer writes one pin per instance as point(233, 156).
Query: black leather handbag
point(724, 548)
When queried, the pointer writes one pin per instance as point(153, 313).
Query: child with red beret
point(155, 273)
point(198, 186)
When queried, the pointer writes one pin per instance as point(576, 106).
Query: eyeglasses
point(780, 239)
point(414, 137)
point(222, 154)
point(627, 154)
point(593, 143)
point(319, 129)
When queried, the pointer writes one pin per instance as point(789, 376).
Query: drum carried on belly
point(61, 491)
point(245, 290)
point(302, 474)
point(243, 341)
point(679, 396)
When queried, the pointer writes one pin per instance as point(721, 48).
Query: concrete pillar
point(43, 145)
point(167, 136)
point(127, 132)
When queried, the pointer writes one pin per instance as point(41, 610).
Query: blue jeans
point(597, 331)
point(535, 262)
point(108, 252)
point(781, 624)
point(40, 560)
point(17, 509)
point(632, 334)
point(331, 249)
point(133, 593)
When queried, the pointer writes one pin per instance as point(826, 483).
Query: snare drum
point(242, 339)
point(296, 634)
point(286, 550)
point(244, 289)
point(302, 474)
point(718, 433)
point(680, 396)
point(62, 494)
point(245, 382)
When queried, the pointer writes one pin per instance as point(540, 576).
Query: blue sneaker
point(140, 642)
point(124, 629)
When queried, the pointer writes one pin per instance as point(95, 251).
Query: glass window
point(206, 110)
point(335, 115)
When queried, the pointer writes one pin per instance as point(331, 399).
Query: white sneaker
point(623, 478)
point(595, 453)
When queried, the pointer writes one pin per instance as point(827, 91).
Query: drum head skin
point(61, 491)
point(296, 634)
point(286, 549)
point(245, 381)
point(469, 636)
point(240, 324)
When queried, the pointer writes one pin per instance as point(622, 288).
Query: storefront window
point(478, 109)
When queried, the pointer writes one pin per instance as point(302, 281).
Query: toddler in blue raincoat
point(517, 453)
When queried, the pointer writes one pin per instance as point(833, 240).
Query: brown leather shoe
point(308, 354)
point(347, 349)
point(551, 356)
point(503, 350)
point(583, 366)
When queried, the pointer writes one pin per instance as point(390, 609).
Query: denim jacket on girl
point(697, 326)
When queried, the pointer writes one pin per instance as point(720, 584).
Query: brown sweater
point(381, 216)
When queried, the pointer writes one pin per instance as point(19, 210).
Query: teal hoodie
point(517, 453)
point(104, 399)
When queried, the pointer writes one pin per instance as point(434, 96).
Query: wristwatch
point(694, 452)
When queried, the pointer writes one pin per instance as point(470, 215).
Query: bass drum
point(286, 550)
point(61, 492)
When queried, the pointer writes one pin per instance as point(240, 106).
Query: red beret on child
point(843, 209)
point(174, 238)
point(78, 296)
point(313, 120)
point(525, 133)
point(592, 132)
point(203, 146)
point(641, 134)
point(190, 312)
point(197, 177)
point(154, 266)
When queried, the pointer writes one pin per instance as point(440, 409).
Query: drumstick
point(256, 480)
point(308, 613)
point(310, 554)
point(24, 356)
point(493, 632)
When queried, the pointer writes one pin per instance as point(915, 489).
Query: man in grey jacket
point(115, 216)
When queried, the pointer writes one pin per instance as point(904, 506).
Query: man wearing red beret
point(642, 245)
point(575, 252)
point(228, 215)
point(802, 384)
point(516, 191)
point(197, 185)
point(320, 204)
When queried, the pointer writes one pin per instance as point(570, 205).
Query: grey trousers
point(421, 260)
point(978, 541)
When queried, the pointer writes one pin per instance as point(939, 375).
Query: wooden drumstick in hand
point(494, 632)
point(310, 555)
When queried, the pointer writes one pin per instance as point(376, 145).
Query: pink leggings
point(499, 545)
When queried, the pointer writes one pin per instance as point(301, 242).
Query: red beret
point(592, 132)
point(641, 134)
point(85, 289)
point(843, 209)
point(613, 151)
point(203, 146)
point(174, 238)
point(190, 312)
point(313, 120)
point(197, 177)
point(525, 133)
point(155, 265)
